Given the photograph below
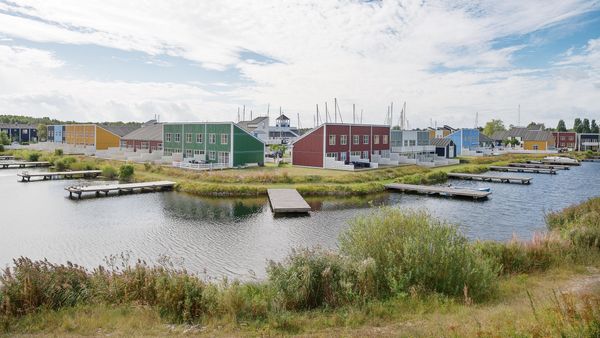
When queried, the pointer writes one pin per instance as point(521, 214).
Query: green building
point(212, 142)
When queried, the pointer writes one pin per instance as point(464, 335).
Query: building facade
point(20, 132)
point(149, 137)
point(444, 147)
point(341, 142)
point(100, 137)
point(219, 142)
point(588, 141)
point(281, 133)
point(565, 140)
point(465, 139)
point(538, 140)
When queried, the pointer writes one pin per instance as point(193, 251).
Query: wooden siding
point(308, 150)
point(106, 139)
point(247, 148)
point(541, 145)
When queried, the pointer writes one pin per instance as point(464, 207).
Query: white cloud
point(363, 53)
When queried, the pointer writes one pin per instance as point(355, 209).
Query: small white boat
point(560, 159)
point(469, 188)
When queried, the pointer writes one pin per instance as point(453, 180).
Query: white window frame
point(364, 155)
point(332, 139)
point(168, 137)
point(224, 138)
point(212, 138)
point(212, 155)
point(355, 139)
point(223, 157)
point(188, 137)
point(199, 138)
point(189, 153)
point(343, 140)
point(385, 139)
point(177, 137)
point(332, 155)
point(376, 139)
point(343, 156)
point(365, 139)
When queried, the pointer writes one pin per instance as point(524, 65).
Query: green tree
point(493, 126)
point(42, 132)
point(586, 126)
point(4, 139)
point(561, 126)
point(594, 127)
point(577, 126)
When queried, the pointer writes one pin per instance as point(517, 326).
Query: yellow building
point(99, 136)
point(538, 140)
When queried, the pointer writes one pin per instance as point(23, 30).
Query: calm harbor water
point(235, 237)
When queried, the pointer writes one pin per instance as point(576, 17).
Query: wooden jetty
point(555, 162)
point(524, 170)
point(120, 188)
point(287, 201)
point(591, 160)
point(540, 165)
point(26, 176)
point(491, 178)
point(438, 190)
point(6, 157)
point(6, 165)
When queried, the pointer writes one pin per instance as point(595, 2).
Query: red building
point(565, 140)
point(148, 137)
point(343, 142)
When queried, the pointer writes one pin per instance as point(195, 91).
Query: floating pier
point(524, 170)
point(591, 160)
point(26, 176)
point(438, 190)
point(491, 178)
point(287, 201)
point(555, 162)
point(6, 157)
point(7, 165)
point(120, 188)
point(539, 166)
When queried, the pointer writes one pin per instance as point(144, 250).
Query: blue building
point(20, 132)
point(56, 134)
point(465, 139)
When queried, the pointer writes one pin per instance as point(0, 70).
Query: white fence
point(200, 166)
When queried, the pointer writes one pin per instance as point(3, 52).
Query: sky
point(449, 60)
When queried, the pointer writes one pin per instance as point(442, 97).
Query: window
point(376, 139)
point(224, 140)
point(144, 145)
point(331, 140)
point(406, 143)
point(212, 155)
point(212, 138)
point(385, 139)
point(355, 154)
point(332, 155)
point(188, 138)
point(412, 143)
point(535, 147)
point(168, 152)
point(198, 153)
point(189, 153)
point(177, 137)
point(365, 155)
point(223, 157)
point(343, 156)
point(366, 139)
point(168, 137)
point(343, 139)
point(198, 138)
point(355, 139)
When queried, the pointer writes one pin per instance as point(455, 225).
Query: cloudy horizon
point(184, 60)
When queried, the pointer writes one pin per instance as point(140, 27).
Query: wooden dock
point(7, 165)
point(287, 201)
point(491, 178)
point(438, 190)
point(555, 162)
point(591, 160)
point(540, 166)
point(6, 157)
point(120, 188)
point(524, 170)
point(26, 176)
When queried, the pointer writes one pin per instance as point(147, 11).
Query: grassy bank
point(400, 272)
point(255, 181)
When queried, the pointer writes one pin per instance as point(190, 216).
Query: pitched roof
point(252, 124)
point(538, 135)
point(513, 132)
point(17, 125)
point(484, 138)
point(441, 142)
point(119, 130)
point(148, 132)
point(282, 117)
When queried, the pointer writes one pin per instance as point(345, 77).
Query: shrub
point(147, 166)
point(1, 147)
point(109, 172)
point(412, 250)
point(126, 172)
point(579, 223)
point(33, 156)
point(58, 152)
point(61, 164)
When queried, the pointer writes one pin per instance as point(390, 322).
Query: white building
point(281, 133)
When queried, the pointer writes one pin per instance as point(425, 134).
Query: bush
point(61, 164)
point(579, 223)
point(58, 152)
point(412, 250)
point(1, 147)
point(109, 172)
point(312, 278)
point(126, 172)
point(33, 156)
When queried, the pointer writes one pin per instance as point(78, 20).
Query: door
point(451, 153)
